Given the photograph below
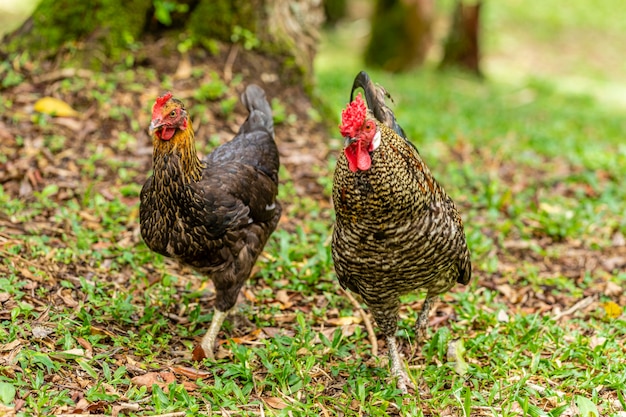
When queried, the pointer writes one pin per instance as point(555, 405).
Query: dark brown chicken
point(397, 230)
point(215, 214)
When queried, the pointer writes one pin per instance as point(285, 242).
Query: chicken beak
point(347, 141)
point(154, 125)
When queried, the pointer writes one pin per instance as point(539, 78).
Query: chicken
point(396, 230)
point(217, 213)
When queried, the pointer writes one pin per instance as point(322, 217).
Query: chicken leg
point(397, 367)
point(208, 341)
point(422, 319)
point(387, 320)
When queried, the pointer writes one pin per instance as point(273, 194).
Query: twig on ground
point(543, 390)
point(366, 321)
point(62, 73)
point(230, 60)
point(81, 415)
point(176, 414)
point(585, 302)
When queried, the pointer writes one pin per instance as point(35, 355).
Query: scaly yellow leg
point(208, 341)
point(397, 367)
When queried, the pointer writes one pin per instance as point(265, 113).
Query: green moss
point(238, 17)
point(68, 25)
point(100, 34)
point(205, 23)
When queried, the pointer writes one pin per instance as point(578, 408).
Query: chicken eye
point(173, 113)
point(368, 126)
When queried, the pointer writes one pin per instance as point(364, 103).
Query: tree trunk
point(99, 34)
point(335, 10)
point(401, 34)
point(462, 47)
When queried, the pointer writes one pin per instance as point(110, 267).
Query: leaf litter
point(78, 157)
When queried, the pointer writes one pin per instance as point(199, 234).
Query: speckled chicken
point(217, 213)
point(396, 229)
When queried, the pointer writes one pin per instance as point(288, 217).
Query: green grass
point(536, 172)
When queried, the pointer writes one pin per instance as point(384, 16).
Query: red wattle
point(358, 157)
point(351, 157)
point(364, 161)
point(166, 134)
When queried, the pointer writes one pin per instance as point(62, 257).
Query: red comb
point(352, 117)
point(159, 103)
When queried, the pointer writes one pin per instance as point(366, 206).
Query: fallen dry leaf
point(161, 379)
point(596, 341)
point(192, 373)
point(198, 353)
point(10, 346)
point(72, 124)
point(455, 354)
point(249, 339)
point(83, 405)
point(188, 385)
point(41, 332)
point(69, 354)
point(116, 409)
point(68, 300)
point(86, 345)
point(101, 245)
point(99, 330)
point(273, 331)
point(275, 402)
point(344, 321)
point(133, 366)
point(612, 289)
point(285, 318)
point(249, 295)
point(509, 293)
point(6, 411)
point(328, 332)
point(222, 353)
point(54, 107)
point(502, 316)
point(283, 297)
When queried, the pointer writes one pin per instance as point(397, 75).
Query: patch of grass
point(214, 89)
point(537, 174)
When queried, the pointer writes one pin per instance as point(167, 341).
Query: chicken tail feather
point(260, 111)
point(375, 97)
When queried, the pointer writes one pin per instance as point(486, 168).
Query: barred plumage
point(396, 229)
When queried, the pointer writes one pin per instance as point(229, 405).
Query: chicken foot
point(208, 341)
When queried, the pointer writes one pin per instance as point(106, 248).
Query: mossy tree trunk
point(335, 10)
point(401, 34)
point(102, 33)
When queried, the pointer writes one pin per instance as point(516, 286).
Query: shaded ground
point(106, 153)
